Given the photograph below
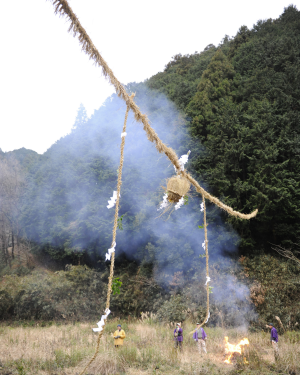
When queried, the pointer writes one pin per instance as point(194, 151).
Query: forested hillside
point(236, 106)
point(242, 102)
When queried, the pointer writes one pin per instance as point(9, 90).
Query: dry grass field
point(148, 349)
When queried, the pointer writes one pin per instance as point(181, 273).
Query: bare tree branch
point(287, 253)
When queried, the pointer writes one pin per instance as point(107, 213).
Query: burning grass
point(148, 349)
point(232, 350)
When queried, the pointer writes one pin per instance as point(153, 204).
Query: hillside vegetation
point(236, 106)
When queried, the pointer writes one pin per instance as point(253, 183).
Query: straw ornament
point(177, 187)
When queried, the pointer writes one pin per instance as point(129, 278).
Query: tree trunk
point(3, 248)
point(12, 245)
point(6, 250)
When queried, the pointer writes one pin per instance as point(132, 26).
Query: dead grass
point(148, 349)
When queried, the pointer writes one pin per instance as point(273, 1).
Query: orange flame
point(230, 349)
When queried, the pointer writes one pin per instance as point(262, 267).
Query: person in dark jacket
point(200, 338)
point(274, 340)
point(178, 338)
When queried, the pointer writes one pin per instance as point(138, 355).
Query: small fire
point(230, 349)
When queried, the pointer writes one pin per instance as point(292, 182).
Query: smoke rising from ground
point(65, 207)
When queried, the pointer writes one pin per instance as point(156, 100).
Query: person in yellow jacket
point(119, 336)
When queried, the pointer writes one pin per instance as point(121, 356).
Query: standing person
point(200, 338)
point(178, 338)
point(119, 336)
point(274, 340)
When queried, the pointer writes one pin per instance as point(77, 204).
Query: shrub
point(6, 304)
point(78, 293)
point(172, 310)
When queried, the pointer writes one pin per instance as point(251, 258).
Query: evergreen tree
point(81, 117)
point(215, 84)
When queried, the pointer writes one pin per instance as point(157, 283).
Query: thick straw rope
point(206, 257)
point(111, 273)
point(207, 268)
point(63, 8)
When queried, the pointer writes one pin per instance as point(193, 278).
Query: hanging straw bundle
point(177, 187)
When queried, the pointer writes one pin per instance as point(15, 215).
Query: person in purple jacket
point(178, 338)
point(274, 340)
point(200, 338)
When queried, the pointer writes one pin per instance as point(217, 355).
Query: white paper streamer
point(183, 160)
point(207, 280)
point(164, 203)
point(207, 317)
point(202, 207)
point(97, 329)
point(101, 322)
point(112, 200)
point(180, 203)
point(123, 134)
point(107, 312)
point(110, 251)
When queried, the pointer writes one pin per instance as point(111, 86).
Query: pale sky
point(44, 76)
